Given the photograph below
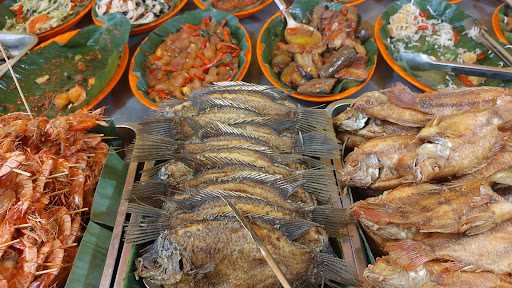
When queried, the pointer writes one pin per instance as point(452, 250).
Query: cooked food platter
point(145, 15)
point(46, 19)
point(218, 48)
point(336, 68)
point(436, 29)
point(207, 181)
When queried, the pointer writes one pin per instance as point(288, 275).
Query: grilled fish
point(402, 213)
point(385, 274)
point(376, 104)
point(222, 254)
point(453, 101)
point(456, 145)
point(490, 251)
point(374, 163)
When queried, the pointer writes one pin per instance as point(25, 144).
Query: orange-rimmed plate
point(123, 62)
point(267, 36)
point(497, 24)
point(457, 18)
point(136, 79)
point(391, 61)
point(138, 29)
point(68, 24)
point(242, 13)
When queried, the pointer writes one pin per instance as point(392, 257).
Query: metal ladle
point(297, 33)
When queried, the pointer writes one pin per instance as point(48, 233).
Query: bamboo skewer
point(7, 61)
point(264, 250)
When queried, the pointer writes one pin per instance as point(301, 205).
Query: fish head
point(164, 263)
point(430, 159)
point(351, 120)
point(370, 100)
point(361, 169)
point(385, 274)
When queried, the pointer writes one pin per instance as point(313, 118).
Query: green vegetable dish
point(65, 78)
point(436, 28)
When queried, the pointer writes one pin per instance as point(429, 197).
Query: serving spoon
point(297, 33)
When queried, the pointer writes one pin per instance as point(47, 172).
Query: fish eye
point(180, 263)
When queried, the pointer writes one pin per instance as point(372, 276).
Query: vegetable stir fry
point(138, 11)
point(415, 30)
point(192, 58)
point(38, 16)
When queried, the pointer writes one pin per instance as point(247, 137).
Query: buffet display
point(235, 184)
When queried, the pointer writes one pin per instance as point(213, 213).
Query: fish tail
point(309, 120)
point(410, 254)
point(151, 223)
point(152, 148)
point(317, 144)
point(401, 96)
point(331, 218)
point(479, 223)
point(159, 125)
point(330, 268)
point(149, 191)
point(321, 184)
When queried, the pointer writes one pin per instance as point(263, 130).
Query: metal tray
point(351, 246)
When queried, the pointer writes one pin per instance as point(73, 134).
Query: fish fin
point(152, 221)
point(152, 148)
point(503, 177)
point(199, 198)
point(478, 223)
point(217, 129)
point(335, 269)
point(291, 228)
point(321, 184)
point(205, 103)
point(331, 218)
point(410, 254)
point(161, 126)
point(505, 127)
point(282, 184)
point(317, 144)
point(309, 120)
point(148, 191)
point(401, 96)
point(203, 161)
point(166, 105)
point(287, 159)
point(269, 91)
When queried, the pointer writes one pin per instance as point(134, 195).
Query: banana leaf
point(5, 13)
point(89, 59)
point(90, 259)
point(451, 14)
point(501, 13)
point(301, 11)
point(158, 36)
point(109, 190)
point(172, 3)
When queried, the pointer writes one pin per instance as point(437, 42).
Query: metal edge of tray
point(353, 245)
point(111, 260)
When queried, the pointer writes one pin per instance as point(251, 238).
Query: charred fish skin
point(405, 212)
point(493, 253)
point(228, 266)
point(385, 274)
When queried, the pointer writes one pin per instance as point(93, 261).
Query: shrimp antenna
point(7, 61)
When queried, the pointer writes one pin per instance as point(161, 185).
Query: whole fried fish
point(385, 274)
point(490, 251)
point(374, 163)
point(453, 101)
point(457, 145)
point(471, 208)
point(222, 254)
point(376, 104)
